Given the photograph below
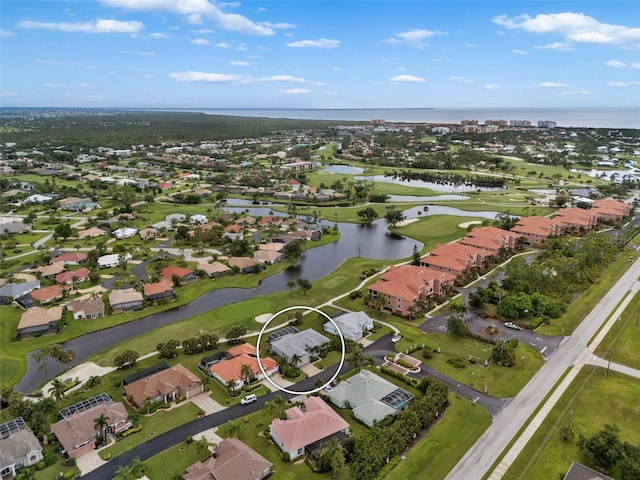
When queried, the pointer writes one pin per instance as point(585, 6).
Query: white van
point(248, 399)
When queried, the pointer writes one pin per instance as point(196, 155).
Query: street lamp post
point(609, 362)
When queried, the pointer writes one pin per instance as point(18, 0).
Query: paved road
point(506, 424)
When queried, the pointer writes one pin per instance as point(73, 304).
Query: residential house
point(159, 290)
point(77, 204)
point(244, 264)
point(370, 397)
point(233, 228)
point(491, 239)
point(80, 275)
point(230, 369)
point(165, 386)
point(89, 308)
point(267, 257)
point(11, 291)
point(112, 260)
point(232, 460)
point(49, 271)
point(404, 287)
point(213, 270)
point(14, 227)
point(39, 321)
point(456, 253)
point(580, 472)
point(77, 433)
point(611, 210)
point(125, 232)
point(173, 218)
point(70, 258)
point(125, 300)
point(298, 166)
point(198, 219)
point(49, 294)
point(537, 229)
point(184, 274)
point(310, 425)
point(577, 220)
point(19, 447)
point(352, 325)
point(148, 233)
point(300, 344)
point(92, 232)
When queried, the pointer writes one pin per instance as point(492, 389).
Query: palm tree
point(137, 467)
point(231, 387)
point(291, 285)
point(57, 390)
point(66, 357)
point(94, 381)
point(357, 360)
point(232, 427)
point(124, 472)
point(202, 447)
point(134, 418)
point(246, 373)
point(5, 393)
point(100, 424)
point(296, 360)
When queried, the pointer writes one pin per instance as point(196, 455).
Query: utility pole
point(609, 362)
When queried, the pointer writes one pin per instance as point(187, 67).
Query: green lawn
point(159, 422)
point(172, 462)
point(436, 229)
point(624, 337)
point(591, 401)
point(437, 452)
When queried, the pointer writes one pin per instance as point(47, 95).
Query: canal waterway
point(369, 241)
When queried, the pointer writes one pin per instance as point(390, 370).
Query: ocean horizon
point(575, 117)
point(565, 117)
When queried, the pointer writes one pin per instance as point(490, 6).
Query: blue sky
point(319, 54)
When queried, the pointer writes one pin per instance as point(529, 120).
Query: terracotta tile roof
point(241, 262)
point(169, 272)
point(611, 207)
point(212, 268)
point(234, 460)
point(77, 430)
point(50, 270)
point(536, 225)
point(76, 257)
point(161, 383)
point(304, 427)
point(231, 368)
point(49, 293)
point(67, 277)
point(233, 228)
point(157, 288)
point(91, 232)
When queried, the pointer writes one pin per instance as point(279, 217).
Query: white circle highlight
point(294, 392)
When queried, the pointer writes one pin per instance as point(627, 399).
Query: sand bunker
point(406, 222)
point(466, 224)
point(264, 318)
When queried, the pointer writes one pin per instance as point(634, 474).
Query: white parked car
point(396, 338)
point(248, 399)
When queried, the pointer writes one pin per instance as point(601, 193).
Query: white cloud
point(194, 11)
point(624, 84)
point(558, 46)
point(280, 25)
point(200, 41)
point(575, 27)
point(296, 91)
point(320, 43)
point(471, 45)
point(6, 33)
point(204, 31)
point(579, 92)
point(491, 86)
point(407, 79)
point(204, 77)
point(159, 35)
point(335, 94)
point(239, 63)
point(336, 69)
point(416, 38)
point(548, 85)
point(99, 25)
point(85, 85)
point(519, 52)
point(64, 64)
point(619, 64)
point(8, 93)
point(223, 45)
point(460, 79)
